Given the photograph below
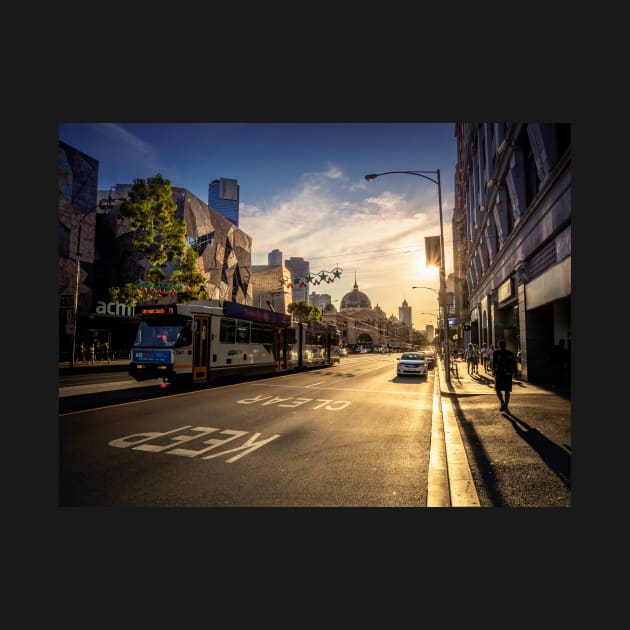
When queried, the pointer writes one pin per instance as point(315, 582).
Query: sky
point(303, 191)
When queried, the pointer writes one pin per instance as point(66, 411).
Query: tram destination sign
point(164, 309)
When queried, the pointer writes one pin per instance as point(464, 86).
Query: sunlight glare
point(427, 274)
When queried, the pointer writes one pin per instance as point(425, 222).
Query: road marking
point(265, 401)
point(251, 444)
point(350, 389)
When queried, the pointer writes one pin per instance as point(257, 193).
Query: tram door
point(281, 349)
point(200, 349)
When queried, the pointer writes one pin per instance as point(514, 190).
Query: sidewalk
point(468, 413)
point(464, 384)
point(85, 367)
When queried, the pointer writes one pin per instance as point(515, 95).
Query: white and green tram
point(202, 341)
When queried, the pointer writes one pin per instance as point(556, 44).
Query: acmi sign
point(114, 308)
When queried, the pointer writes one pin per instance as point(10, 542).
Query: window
point(227, 332)
point(262, 333)
point(242, 331)
point(200, 243)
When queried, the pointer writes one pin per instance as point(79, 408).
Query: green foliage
point(150, 210)
point(160, 237)
point(302, 311)
point(129, 294)
point(190, 277)
point(156, 275)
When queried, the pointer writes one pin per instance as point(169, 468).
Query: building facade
point(300, 270)
point(101, 243)
point(323, 301)
point(270, 286)
point(512, 238)
point(274, 257)
point(360, 325)
point(223, 198)
point(404, 313)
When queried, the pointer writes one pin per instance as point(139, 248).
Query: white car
point(411, 363)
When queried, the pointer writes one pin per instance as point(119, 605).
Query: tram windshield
point(164, 335)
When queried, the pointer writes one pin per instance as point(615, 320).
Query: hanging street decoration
point(158, 288)
point(168, 288)
point(316, 278)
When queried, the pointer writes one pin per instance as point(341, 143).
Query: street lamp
point(442, 292)
point(103, 204)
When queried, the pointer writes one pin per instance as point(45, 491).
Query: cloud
point(122, 142)
point(118, 134)
point(329, 222)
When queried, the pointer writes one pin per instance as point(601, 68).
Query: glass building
point(223, 198)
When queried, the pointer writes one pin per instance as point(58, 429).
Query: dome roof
point(355, 299)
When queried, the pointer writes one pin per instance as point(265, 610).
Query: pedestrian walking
point(469, 355)
point(491, 350)
point(92, 352)
point(475, 359)
point(82, 351)
point(503, 369)
point(484, 356)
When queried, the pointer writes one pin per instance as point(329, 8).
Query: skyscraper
point(274, 257)
point(404, 313)
point(299, 268)
point(223, 197)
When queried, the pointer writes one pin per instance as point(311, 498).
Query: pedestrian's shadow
point(482, 379)
point(553, 455)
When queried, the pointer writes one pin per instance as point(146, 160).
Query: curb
point(450, 478)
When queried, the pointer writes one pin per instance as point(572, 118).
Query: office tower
point(274, 257)
point(223, 198)
point(300, 269)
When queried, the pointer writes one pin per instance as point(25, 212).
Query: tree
point(302, 311)
point(150, 210)
point(160, 237)
point(190, 277)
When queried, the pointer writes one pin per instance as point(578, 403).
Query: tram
point(204, 340)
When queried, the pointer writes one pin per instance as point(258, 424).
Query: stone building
point(512, 238)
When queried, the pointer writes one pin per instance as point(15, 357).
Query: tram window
point(242, 331)
point(291, 337)
point(185, 336)
point(262, 333)
point(228, 331)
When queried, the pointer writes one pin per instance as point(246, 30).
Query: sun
point(427, 274)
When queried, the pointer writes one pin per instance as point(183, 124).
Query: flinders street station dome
point(355, 299)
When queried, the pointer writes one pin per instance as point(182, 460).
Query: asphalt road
point(353, 435)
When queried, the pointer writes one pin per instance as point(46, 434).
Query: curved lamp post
point(442, 292)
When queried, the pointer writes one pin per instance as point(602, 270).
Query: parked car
point(342, 352)
point(411, 363)
point(429, 357)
